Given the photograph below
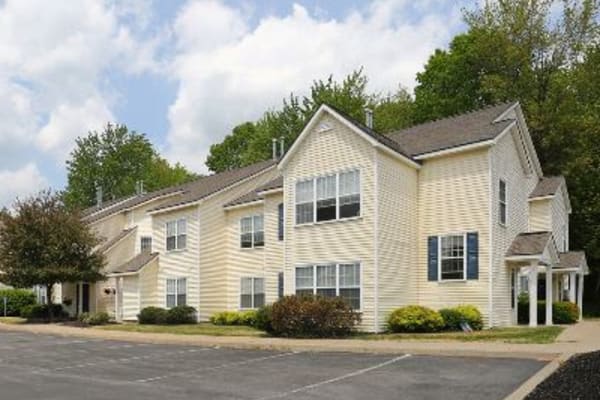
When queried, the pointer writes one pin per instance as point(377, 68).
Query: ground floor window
point(252, 293)
point(330, 280)
point(176, 292)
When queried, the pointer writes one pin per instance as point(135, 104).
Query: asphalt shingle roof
point(107, 244)
point(471, 127)
point(135, 264)
point(529, 244)
point(571, 259)
point(547, 186)
point(255, 194)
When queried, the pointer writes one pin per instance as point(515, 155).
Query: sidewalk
point(582, 337)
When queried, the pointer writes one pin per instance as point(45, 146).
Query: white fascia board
point(458, 149)
point(539, 198)
point(244, 205)
point(270, 191)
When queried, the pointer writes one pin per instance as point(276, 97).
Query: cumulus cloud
point(20, 183)
point(229, 72)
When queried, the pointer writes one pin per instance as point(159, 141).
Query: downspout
point(491, 242)
point(376, 239)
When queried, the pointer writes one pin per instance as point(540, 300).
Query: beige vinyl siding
point(131, 297)
point(273, 246)
point(454, 198)
point(335, 150)
point(106, 301)
point(148, 279)
point(506, 165)
point(397, 234)
point(177, 263)
point(560, 218)
point(121, 252)
point(109, 227)
point(539, 215)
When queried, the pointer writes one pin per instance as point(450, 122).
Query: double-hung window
point(176, 292)
point(252, 232)
point(176, 234)
point(452, 257)
point(502, 202)
point(146, 244)
point(330, 280)
point(252, 293)
point(329, 197)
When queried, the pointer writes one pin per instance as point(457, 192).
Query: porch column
point(516, 295)
point(549, 295)
point(533, 286)
point(572, 277)
point(580, 297)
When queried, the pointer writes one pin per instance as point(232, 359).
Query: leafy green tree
point(251, 141)
point(117, 159)
point(43, 243)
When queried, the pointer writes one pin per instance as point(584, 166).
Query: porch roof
point(573, 260)
point(134, 265)
point(532, 246)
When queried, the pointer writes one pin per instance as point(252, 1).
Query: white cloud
point(20, 183)
point(229, 72)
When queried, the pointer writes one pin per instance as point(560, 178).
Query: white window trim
point(505, 203)
point(465, 250)
point(337, 278)
point(252, 294)
point(313, 179)
point(177, 248)
point(252, 247)
point(177, 279)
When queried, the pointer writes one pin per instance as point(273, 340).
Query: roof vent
point(99, 196)
point(274, 143)
point(369, 118)
point(139, 188)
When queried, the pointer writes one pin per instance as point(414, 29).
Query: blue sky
point(183, 71)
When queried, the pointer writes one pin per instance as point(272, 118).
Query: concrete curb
point(529, 385)
point(453, 349)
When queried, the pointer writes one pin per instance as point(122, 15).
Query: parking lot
point(52, 367)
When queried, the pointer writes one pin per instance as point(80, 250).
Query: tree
point(116, 159)
point(43, 243)
point(251, 141)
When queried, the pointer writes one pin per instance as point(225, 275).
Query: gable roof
point(460, 130)
point(529, 244)
point(184, 193)
point(547, 186)
point(134, 265)
point(257, 194)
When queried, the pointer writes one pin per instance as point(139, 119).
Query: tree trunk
point(49, 297)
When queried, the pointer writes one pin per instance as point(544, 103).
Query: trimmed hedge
point(99, 318)
point(312, 316)
point(415, 319)
point(247, 318)
point(563, 312)
point(454, 316)
point(174, 316)
point(39, 312)
point(16, 299)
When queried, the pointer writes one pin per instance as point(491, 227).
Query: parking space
point(51, 367)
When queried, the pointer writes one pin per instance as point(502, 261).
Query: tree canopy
point(117, 159)
point(43, 243)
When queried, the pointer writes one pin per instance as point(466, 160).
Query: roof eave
point(243, 205)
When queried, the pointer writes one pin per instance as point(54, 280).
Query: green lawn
point(544, 334)
point(195, 329)
point(12, 320)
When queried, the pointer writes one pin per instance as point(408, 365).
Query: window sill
point(251, 248)
point(331, 221)
point(444, 281)
point(176, 251)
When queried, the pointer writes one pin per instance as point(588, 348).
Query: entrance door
point(85, 297)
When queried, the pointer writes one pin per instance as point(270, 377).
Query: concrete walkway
point(582, 337)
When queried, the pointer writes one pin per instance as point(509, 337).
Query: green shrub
point(99, 318)
point(310, 316)
point(454, 316)
point(415, 319)
point(152, 316)
point(565, 312)
point(16, 299)
point(247, 318)
point(264, 319)
point(39, 312)
point(181, 315)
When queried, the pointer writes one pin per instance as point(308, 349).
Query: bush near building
point(563, 312)
point(455, 316)
point(174, 316)
point(16, 299)
point(93, 319)
point(41, 312)
point(233, 318)
point(415, 319)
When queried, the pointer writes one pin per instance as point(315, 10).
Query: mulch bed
point(578, 378)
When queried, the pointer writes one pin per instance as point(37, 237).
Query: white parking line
point(217, 367)
point(128, 359)
point(337, 379)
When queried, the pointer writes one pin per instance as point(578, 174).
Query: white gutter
point(243, 205)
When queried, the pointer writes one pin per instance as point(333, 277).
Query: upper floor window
point(146, 244)
point(252, 232)
point(328, 197)
point(502, 202)
point(280, 221)
point(176, 234)
point(452, 257)
point(176, 292)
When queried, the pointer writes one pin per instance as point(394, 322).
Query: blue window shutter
point(280, 221)
point(432, 258)
point(472, 255)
